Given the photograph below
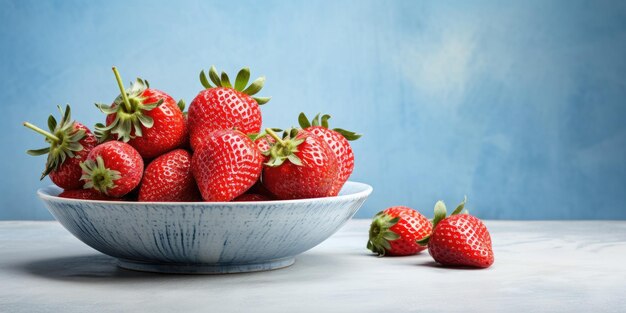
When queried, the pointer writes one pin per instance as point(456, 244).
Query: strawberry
point(70, 143)
point(395, 230)
point(114, 168)
point(146, 118)
point(264, 141)
point(259, 189)
point(185, 145)
point(301, 165)
point(169, 178)
point(226, 165)
point(84, 194)
point(460, 239)
point(337, 139)
point(246, 197)
point(225, 107)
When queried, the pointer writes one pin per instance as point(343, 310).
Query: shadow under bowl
point(205, 237)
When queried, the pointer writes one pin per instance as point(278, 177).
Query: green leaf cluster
point(63, 140)
point(323, 122)
point(241, 83)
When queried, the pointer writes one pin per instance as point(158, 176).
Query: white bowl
point(205, 237)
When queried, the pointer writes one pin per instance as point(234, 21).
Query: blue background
point(518, 105)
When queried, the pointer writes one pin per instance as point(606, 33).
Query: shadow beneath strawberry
point(374, 255)
point(434, 264)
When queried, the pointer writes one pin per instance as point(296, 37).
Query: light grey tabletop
point(540, 266)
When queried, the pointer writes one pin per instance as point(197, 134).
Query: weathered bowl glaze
point(205, 237)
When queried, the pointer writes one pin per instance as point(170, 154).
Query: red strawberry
point(226, 166)
point(301, 166)
point(264, 141)
point(337, 139)
point(185, 144)
point(394, 231)
point(460, 239)
point(251, 197)
point(259, 189)
point(146, 118)
point(225, 107)
point(84, 194)
point(70, 143)
point(113, 168)
point(169, 178)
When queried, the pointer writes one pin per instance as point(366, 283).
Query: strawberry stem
point(270, 132)
point(122, 90)
point(41, 131)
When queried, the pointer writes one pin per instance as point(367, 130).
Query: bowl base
point(173, 268)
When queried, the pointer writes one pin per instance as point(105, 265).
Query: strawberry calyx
point(97, 176)
point(129, 109)
point(283, 148)
point(323, 122)
point(380, 234)
point(181, 105)
point(263, 133)
point(440, 214)
point(241, 83)
point(63, 139)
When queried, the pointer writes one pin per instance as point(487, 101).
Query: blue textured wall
point(520, 106)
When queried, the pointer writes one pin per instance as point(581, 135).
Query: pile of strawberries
point(456, 240)
point(149, 149)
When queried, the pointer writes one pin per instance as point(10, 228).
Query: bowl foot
point(173, 268)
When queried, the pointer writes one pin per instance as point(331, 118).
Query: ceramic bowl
point(205, 237)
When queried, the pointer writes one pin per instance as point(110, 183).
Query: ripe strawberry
point(301, 166)
point(337, 139)
point(264, 141)
point(460, 239)
point(146, 118)
point(225, 107)
point(259, 189)
point(84, 194)
point(251, 197)
point(394, 231)
point(169, 178)
point(70, 143)
point(226, 166)
point(185, 145)
point(113, 168)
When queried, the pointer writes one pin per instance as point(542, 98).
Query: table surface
point(574, 266)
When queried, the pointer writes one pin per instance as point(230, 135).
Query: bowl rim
point(366, 190)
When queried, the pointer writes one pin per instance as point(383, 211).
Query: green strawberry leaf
point(255, 87)
point(303, 121)
point(181, 105)
point(325, 118)
point(214, 77)
point(389, 235)
point(262, 100)
point(243, 77)
point(460, 207)
point(294, 159)
point(424, 241)
point(349, 135)
point(52, 123)
point(440, 212)
point(316, 120)
point(204, 81)
point(225, 80)
point(385, 244)
point(37, 152)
